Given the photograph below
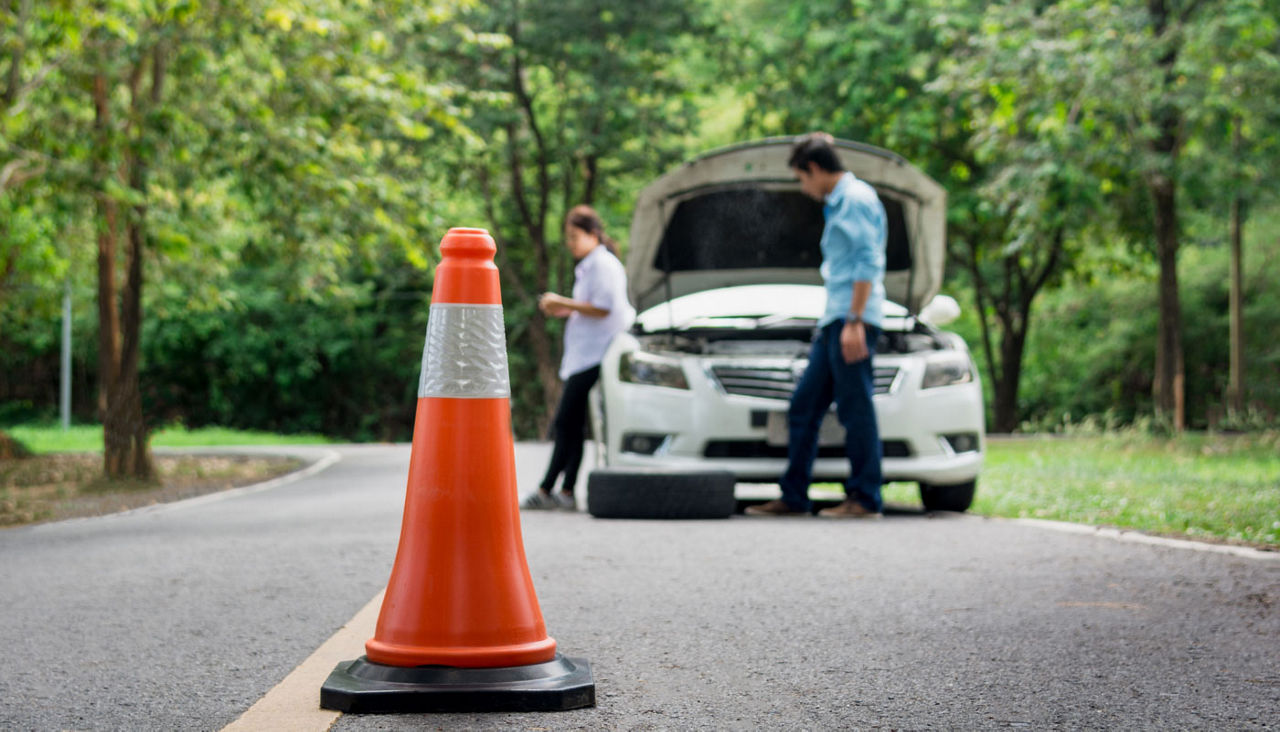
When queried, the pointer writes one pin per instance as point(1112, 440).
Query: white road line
point(294, 704)
point(1138, 537)
point(327, 458)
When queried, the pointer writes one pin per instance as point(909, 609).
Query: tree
point(1094, 101)
point(308, 227)
point(33, 49)
point(1042, 175)
point(125, 68)
point(913, 77)
point(197, 129)
point(1235, 137)
point(33, 46)
point(569, 101)
point(1164, 143)
point(1145, 71)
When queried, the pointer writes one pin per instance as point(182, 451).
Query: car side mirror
point(942, 309)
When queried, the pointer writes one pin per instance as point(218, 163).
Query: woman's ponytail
point(584, 217)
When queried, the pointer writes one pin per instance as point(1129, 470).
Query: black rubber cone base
point(362, 686)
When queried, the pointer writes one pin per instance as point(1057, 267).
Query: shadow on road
point(890, 509)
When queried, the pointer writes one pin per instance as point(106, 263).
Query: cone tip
point(463, 240)
point(466, 273)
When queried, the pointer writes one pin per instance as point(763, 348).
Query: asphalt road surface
point(182, 616)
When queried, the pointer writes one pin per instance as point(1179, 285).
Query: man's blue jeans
point(828, 377)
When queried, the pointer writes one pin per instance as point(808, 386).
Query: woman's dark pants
point(570, 430)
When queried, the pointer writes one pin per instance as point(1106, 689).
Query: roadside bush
point(344, 365)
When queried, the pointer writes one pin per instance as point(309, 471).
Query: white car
point(723, 267)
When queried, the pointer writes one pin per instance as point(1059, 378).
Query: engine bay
point(790, 338)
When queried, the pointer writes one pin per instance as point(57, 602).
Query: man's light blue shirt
point(853, 242)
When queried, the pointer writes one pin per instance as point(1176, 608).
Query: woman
point(597, 312)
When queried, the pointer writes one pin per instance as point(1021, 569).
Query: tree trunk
point(1010, 297)
point(534, 220)
point(126, 452)
point(1169, 376)
point(590, 173)
point(108, 320)
point(548, 367)
point(1235, 386)
point(1013, 342)
point(1168, 385)
point(539, 339)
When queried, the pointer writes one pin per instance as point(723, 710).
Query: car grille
point(776, 382)
point(762, 449)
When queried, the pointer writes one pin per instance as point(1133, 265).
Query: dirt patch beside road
point(55, 487)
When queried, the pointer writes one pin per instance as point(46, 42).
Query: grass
point(64, 478)
point(1202, 486)
point(69, 485)
point(44, 438)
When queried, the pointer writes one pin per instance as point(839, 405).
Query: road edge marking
point(327, 458)
point(293, 705)
point(1137, 537)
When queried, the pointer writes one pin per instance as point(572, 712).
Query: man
point(853, 244)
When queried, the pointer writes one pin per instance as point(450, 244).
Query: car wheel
point(660, 494)
point(956, 497)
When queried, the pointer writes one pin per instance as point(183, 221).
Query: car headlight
point(947, 371)
point(638, 367)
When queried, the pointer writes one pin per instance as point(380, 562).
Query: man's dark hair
point(815, 147)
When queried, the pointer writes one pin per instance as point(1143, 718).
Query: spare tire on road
point(656, 493)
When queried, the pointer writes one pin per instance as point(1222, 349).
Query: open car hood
point(736, 216)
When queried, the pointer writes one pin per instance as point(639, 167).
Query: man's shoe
point(540, 501)
point(565, 501)
point(850, 509)
point(776, 507)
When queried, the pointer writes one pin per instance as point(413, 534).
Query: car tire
point(660, 494)
point(956, 497)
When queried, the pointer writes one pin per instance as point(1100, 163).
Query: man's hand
point(853, 342)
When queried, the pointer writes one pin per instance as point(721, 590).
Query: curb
point(327, 458)
point(1137, 537)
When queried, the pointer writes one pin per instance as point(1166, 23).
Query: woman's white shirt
point(601, 280)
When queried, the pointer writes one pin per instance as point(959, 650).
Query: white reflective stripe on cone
point(465, 355)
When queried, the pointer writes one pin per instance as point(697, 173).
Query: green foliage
point(931, 81)
point(305, 158)
point(345, 364)
point(1048, 123)
point(570, 102)
point(1090, 355)
point(288, 157)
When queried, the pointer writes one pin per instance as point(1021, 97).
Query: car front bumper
point(705, 427)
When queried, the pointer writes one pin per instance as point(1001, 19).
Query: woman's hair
point(584, 217)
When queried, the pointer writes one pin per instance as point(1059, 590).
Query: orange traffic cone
point(460, 628)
